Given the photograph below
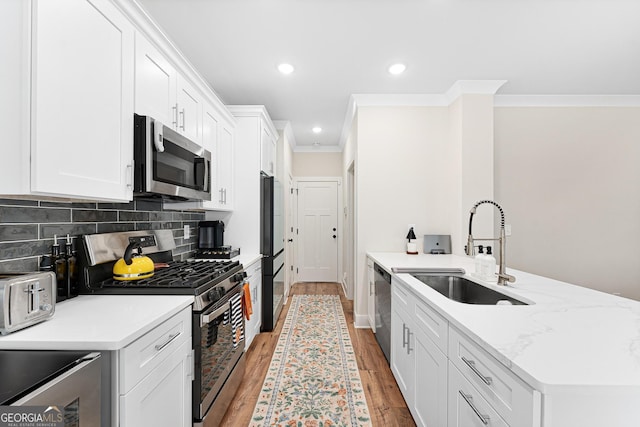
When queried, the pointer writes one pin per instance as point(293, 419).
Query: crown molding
point(476, 87)
point(317, 149)
point(567, 101)
point(284, 126)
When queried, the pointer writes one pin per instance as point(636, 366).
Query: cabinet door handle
point(183, 119)
point(472, 364)
point(175, 116)
point(409, 333)
point(220, 199)
point(129, 176)
point(404, 334)
point(172, 337)
point(467, 397)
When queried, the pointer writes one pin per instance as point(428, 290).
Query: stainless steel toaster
point(26, 299)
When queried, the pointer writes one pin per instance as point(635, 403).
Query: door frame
point(340, 275)
point(350, 232)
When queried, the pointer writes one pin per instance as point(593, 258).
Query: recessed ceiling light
point(286, 68)
point(317, 129)
point(397, 69)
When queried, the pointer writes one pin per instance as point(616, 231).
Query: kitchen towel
point(237, 322)
point(246, 301)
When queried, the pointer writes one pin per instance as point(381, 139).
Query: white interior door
point(318, 231)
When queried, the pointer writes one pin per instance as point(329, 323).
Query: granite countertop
point(569, 336)
point(97, 322)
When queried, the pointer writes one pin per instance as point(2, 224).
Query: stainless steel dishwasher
point(382, 282)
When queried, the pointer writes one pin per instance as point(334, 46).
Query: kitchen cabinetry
point(254, 278)
point(155, 374)
point(268, 140)
point(164, 93)
point(73, 100)
point(445, 378)
point(417, 362)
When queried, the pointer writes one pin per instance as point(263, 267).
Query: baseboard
point(361, 321)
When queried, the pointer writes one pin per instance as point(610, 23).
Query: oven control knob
point(215, 294)
point(239, 277)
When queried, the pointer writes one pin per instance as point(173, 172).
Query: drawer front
point(513, 399)
point(466, 406)
point(401, 297)
point(432, 324)
point(139, 358)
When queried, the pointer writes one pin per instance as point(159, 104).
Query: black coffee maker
point(210, 234)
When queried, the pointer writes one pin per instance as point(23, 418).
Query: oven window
point(219, 352)
point(72, 414)
point(178, 166)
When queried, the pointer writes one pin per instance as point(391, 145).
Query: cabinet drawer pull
point(472, 364)
point(168, 341)
point(467, 397)
point(404, 334)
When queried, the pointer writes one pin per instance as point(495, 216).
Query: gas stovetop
point(178, 277)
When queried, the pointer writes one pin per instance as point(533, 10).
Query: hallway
point(386, 405)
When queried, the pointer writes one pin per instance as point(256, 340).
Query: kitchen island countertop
point(569, 338)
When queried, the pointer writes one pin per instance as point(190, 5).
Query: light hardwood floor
point(386, 405)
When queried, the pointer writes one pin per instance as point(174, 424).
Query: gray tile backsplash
point(27, 227)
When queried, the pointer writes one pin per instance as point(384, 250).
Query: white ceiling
point(344, 47)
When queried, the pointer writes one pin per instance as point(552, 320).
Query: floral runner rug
point(313, 379)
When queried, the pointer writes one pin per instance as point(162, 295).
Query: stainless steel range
point(218, 322)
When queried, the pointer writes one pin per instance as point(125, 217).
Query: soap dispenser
point(489, 267)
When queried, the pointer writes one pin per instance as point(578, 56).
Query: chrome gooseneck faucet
point(503, 277)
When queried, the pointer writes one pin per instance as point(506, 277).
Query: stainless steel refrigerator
point(272, 231)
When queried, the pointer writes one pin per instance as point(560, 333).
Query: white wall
point(317, 164)
point(569, 181)
point(401, 178)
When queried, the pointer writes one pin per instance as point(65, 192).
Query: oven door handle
point(207, 318)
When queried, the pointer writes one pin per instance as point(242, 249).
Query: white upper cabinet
point(189, 106)
point(268, 140)
point(156, 81)
point(75, 134)
point(165, 94)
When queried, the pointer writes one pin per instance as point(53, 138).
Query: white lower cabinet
point(154, 376)
point(254, 278)
point(417, 362)
point(448, 380)
point(467, 408)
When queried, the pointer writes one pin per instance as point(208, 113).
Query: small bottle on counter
point(70, 269)
point(478, 261)
point(489, 267)
point(60, 268)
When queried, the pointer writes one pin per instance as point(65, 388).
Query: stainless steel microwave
point(167, 164)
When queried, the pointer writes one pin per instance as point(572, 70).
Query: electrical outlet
point(187, 232)
point(507, 229)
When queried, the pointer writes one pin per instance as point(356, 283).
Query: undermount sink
point(460, 289)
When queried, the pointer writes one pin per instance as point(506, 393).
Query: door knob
point(334, 229)
point(334, 236)
point(290, 240)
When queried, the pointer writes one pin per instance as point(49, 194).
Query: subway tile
point(18, 202)
point(133, 216)
point(11, 214)
point(81, 215)
point(23, 249)
point(180, 216)
point(19, 265)
point(148, 205)
point(112, 227)
point(160, 216)
point(75, 205)
point(18, 232)
point(128, 206)
point(165, 225)
point(143, 226)
point(74, 229)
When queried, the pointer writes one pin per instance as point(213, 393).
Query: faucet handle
point(503, 278)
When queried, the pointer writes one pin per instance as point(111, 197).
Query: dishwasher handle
point(382, 272)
